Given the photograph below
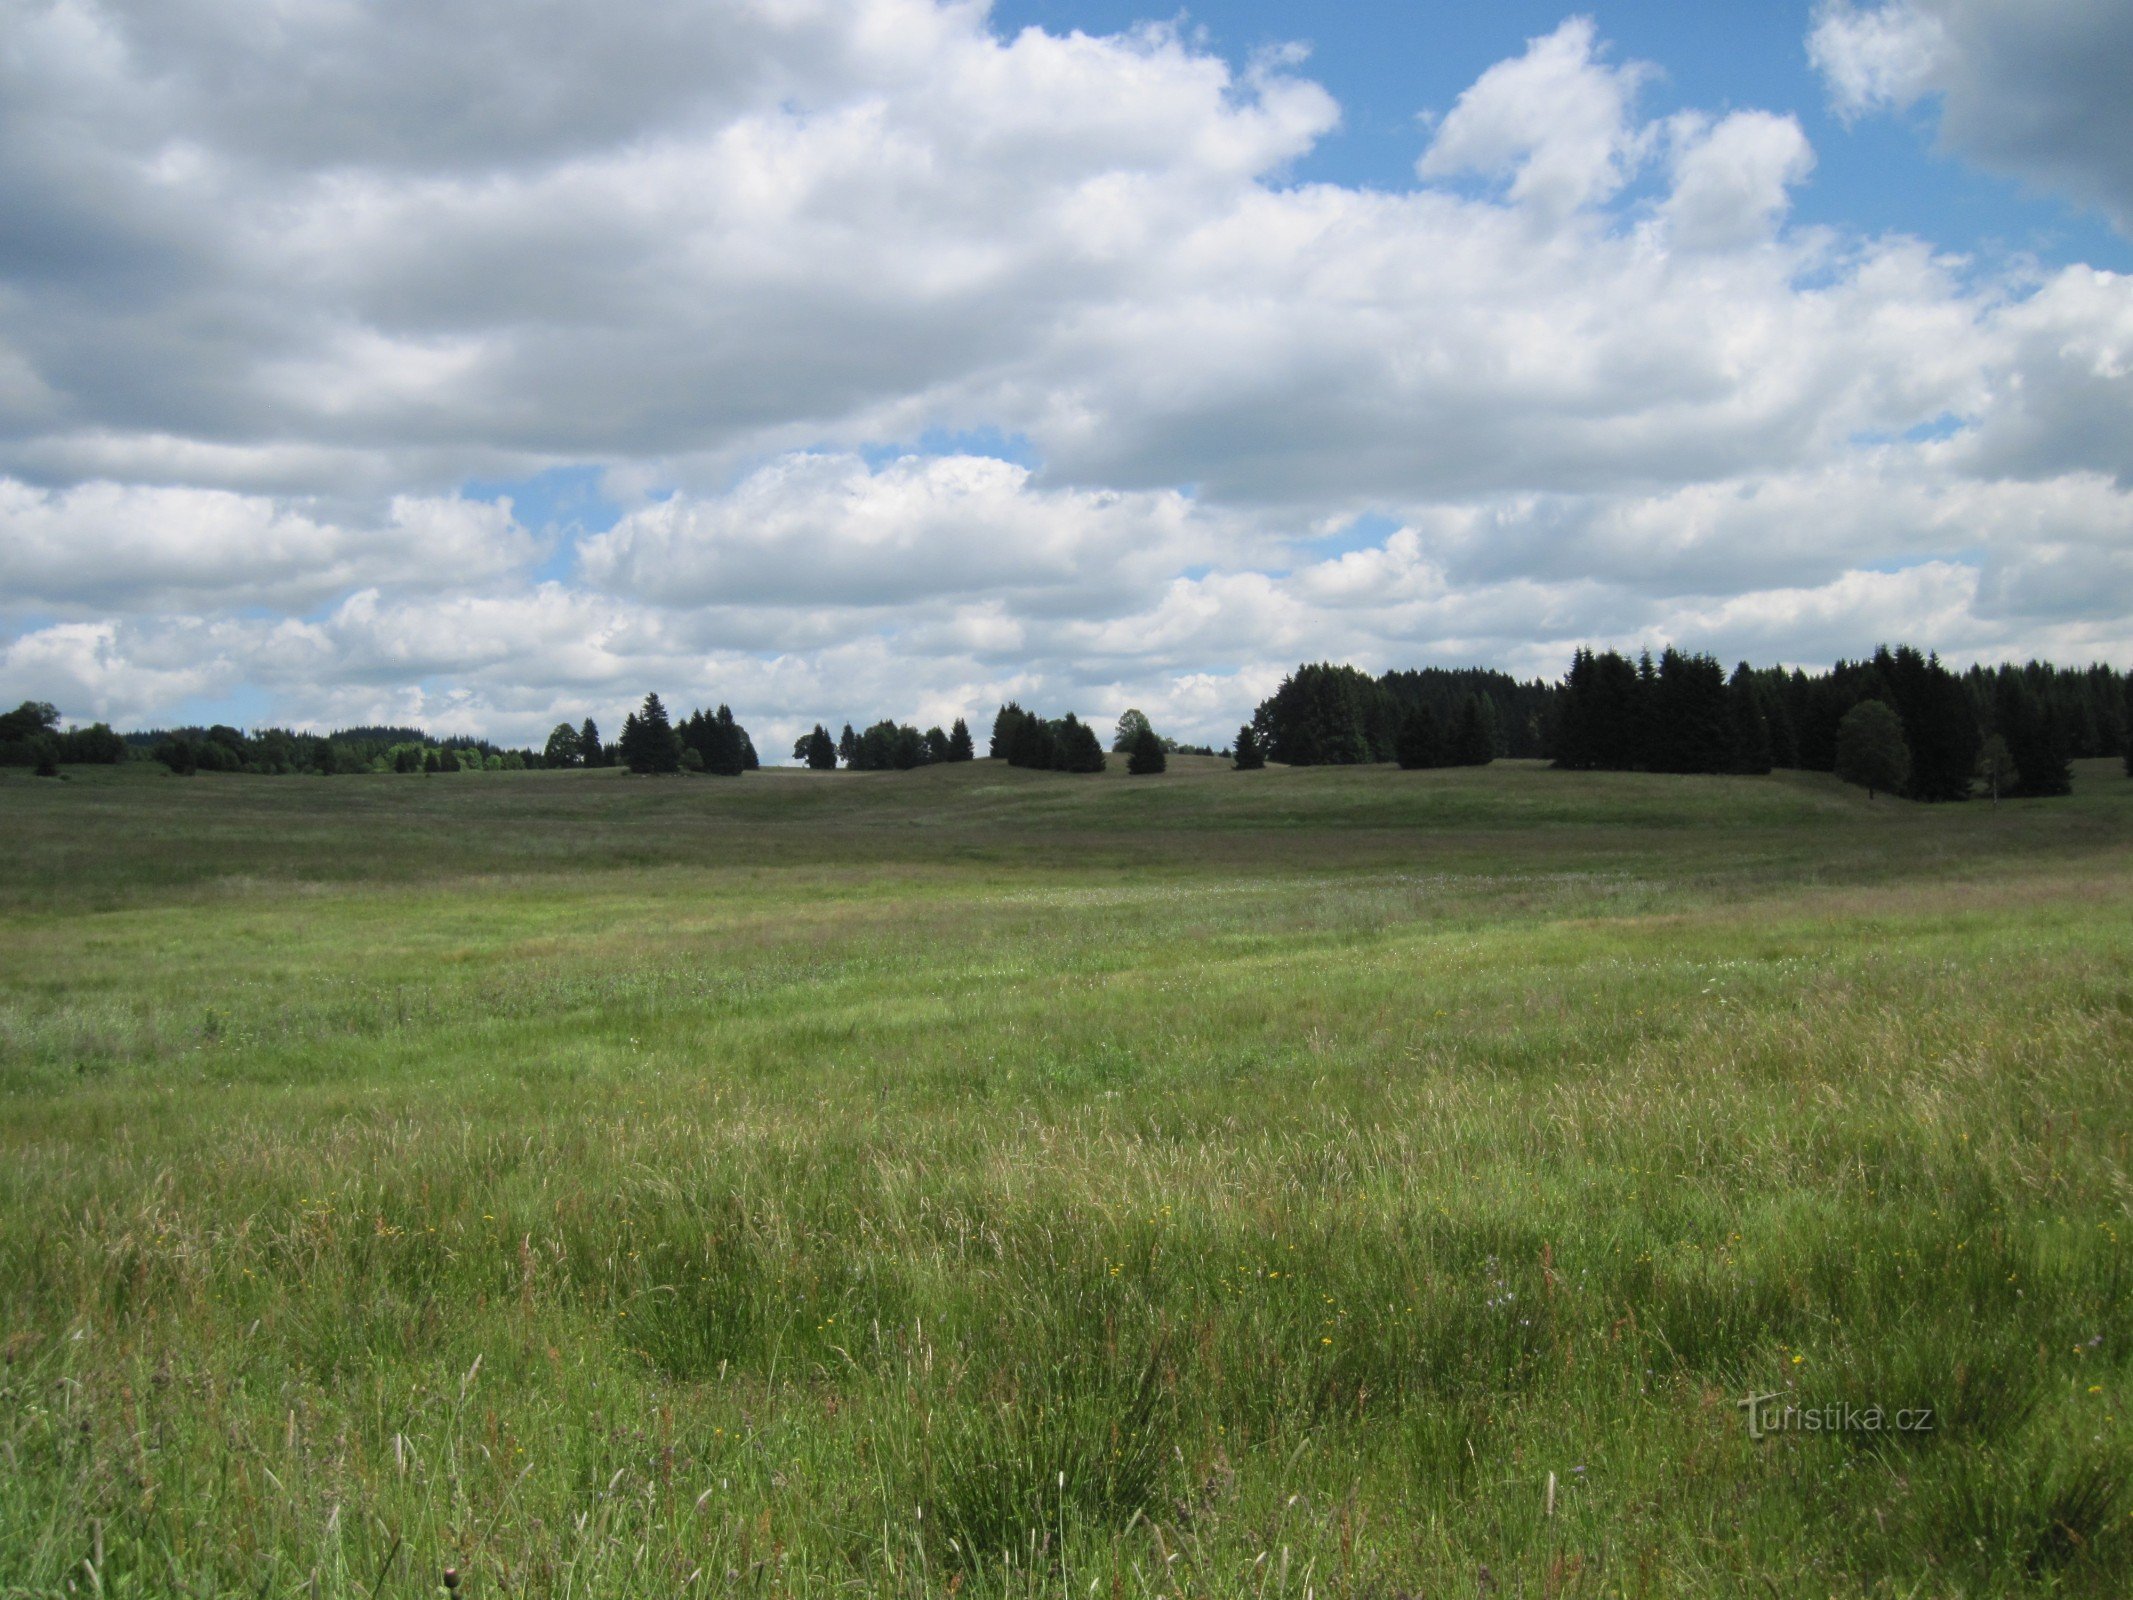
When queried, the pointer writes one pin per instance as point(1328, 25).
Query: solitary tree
point(563, 748)
point(1250, 757)
point(1870, 748)
point(1131, 726)
point(960, 747)
point(1147, 757)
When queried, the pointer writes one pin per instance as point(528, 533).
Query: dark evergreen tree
point(1471, 744)
point(1940, 724)
point(1033, 744)
point(1777, 712)
point(725, 748)
point(848, 745)
point(2035, 737)
point(1599, 715)
point(661, 746)
point(630, 748)
point(590, 751)
point(1148, 757)
point(960, 747)
point(1324, 715)
point(2126, 725)
point(1076, 748)
point(1689, 727)
point(1006, 729)
point(1751, 728)
point(818, 750)
point(1250, 758)
point(1421, 739)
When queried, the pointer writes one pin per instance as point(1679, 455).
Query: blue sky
point(878, 358)
point(1391, 64)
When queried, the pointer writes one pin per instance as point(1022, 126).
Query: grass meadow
point(982, 1182)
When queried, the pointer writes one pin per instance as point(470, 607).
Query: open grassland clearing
point(1214, 1184)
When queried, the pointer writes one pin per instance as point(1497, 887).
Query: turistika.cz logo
point(1773, 1413)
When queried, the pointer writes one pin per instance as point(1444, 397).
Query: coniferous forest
point(2006, 730)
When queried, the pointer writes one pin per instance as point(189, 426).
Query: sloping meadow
point(1348, 1183)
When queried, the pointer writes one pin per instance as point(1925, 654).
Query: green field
point(995, 1182)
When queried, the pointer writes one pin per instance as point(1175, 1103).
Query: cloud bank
point(798, 278)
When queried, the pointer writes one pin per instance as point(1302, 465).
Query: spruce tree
point(1075, 747)
point(724, 751)
point(1421, 739)
point(1006, 729)
point(1751, 729)
point(1148, 757)
point(665, 742)
point(1471, 745)
point(1250, 757)
point(848, 746)
point(2035, 737)
point(590, 750)
point(821, 750)
point(960, 747)
point(631, 748)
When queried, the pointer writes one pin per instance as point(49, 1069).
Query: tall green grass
point(998, 1183)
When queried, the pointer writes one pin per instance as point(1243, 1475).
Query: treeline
point(30, 736)
point(1065, 744)
point(2016, 728)
point(186, 751)
point(1327, 715)
point(887, 746)
point(2013, 729)
point(651, 742)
